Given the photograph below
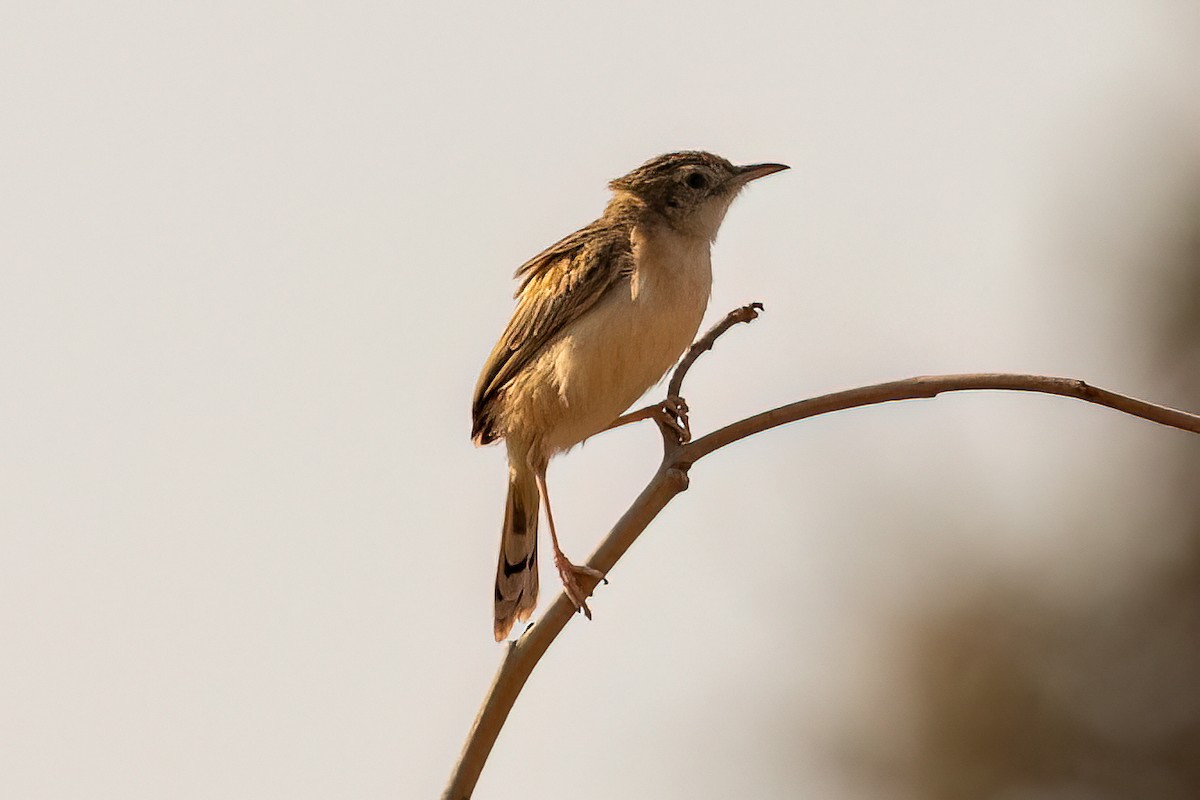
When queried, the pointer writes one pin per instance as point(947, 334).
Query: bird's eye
point(696, 180)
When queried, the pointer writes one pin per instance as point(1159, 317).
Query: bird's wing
point(557, 287)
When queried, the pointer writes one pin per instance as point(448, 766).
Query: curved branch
point(705, 343)
point(671, 479)
point(927, 386)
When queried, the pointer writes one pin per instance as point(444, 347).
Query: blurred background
point(254, 254)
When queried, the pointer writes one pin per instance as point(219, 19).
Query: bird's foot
point(672, 419)
point(671, 415)
point(570, 574)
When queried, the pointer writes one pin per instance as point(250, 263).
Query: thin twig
point(671, 479)
point(704, 343)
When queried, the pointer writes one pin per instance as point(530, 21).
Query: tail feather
point(516, 572)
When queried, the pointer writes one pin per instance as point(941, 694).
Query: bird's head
point(691, 190)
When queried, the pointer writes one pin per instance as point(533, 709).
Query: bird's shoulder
point(593, 248)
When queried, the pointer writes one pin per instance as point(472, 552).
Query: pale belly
point(605, 361)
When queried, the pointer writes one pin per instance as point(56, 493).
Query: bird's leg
point(569, 573)
point(671, 415)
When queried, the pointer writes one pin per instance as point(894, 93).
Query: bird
point(600, 317)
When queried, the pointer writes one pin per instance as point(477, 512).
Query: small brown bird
point(600, 318)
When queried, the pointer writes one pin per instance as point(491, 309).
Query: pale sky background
point(254, 254)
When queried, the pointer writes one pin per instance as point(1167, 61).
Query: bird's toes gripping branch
point(570, 574)
point(673, 419)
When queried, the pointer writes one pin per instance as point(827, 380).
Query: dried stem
point(704, 344)
point(927, 386)
point(671, 479)
point(523, 655)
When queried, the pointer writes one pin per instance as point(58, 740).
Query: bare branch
point(928, 386)
point(704, 343)
point(523, 655)
point(671, 479)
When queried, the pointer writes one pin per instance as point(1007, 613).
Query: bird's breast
point(669, 289)
point(608, 358)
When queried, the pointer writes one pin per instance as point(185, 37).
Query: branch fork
point(671, 478)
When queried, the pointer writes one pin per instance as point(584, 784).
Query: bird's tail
point(517, 570)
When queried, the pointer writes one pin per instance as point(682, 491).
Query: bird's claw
point(673, 417)
point(569, 574)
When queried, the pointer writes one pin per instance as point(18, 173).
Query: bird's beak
point(752, 172)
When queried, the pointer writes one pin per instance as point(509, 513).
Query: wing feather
point(557, 287)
